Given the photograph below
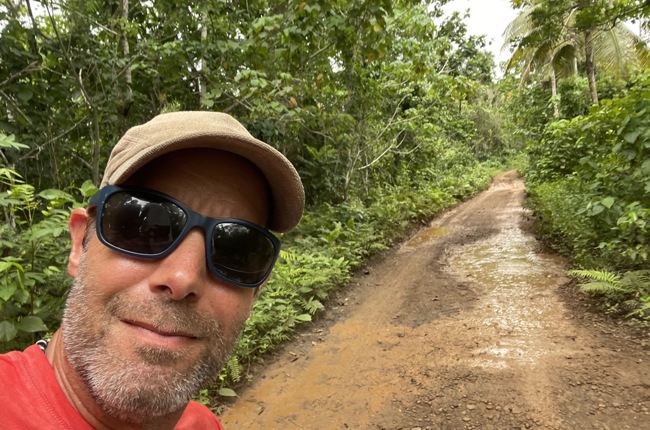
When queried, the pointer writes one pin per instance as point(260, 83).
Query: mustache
point(165, 316)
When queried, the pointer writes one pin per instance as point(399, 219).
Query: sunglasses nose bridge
point(186, 247)
point(196, 220)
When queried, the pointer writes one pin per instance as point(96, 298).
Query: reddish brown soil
point(468, 325)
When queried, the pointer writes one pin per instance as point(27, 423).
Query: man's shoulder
point(10, 367)
point(13, 363)
point(28, 383)
point(198, 416)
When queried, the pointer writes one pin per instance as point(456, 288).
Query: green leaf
point(25, 95)
point(207, 103)
point(608, 202)
point(227, 392)
point(7, 290)
point(597, 209)
point(88, 188)
point(632, 136)
point(629, 154)
point(21, 296)
point(646, 165)
point(304, 317)
point(32, 324)
point(9, 142)
point(7, 331)
point(53, 194)
point(5, 265)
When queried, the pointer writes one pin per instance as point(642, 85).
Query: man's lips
point(160, 331)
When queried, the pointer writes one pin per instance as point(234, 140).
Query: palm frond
point(616, 49)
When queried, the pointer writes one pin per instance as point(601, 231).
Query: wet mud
point(467, 325)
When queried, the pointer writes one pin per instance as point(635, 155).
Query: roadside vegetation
point(389, 110)
point(582, 110)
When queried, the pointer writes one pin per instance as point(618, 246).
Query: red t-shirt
point(30, 398)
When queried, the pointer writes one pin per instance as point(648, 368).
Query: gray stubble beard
point(150, 388)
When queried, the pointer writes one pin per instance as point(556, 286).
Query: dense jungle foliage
point(389, 110)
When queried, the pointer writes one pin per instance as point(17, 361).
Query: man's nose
point(183, 274)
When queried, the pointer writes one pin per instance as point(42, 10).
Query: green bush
point(603, 162)
point(33, 247)
point(569, 230)
point(589, 181)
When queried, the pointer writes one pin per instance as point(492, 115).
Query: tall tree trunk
point(591, 66)
point(555, 101)
point(127, 99)
point(203, 73)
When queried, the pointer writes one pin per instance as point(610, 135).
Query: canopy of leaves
point(350, 91)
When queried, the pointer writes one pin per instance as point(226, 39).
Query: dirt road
point(465, 326)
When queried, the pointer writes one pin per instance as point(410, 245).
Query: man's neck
point(81, 399)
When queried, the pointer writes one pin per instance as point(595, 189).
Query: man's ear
point(78, 224)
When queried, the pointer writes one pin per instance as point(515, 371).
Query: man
point(167, 260)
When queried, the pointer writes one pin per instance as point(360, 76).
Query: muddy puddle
point(512, 280)
point(424, 237)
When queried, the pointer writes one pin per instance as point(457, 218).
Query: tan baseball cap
point(201, 129)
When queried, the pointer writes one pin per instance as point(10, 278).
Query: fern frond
point(312, 306)
point(642, 311)
point(288, 255)
point(632, 289)
point(600, 287)
point(637, 280)
point(630, 305)
point(598, 275)
point(234, 369)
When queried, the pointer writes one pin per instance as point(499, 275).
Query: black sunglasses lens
point(241, 253)
point(140, 223)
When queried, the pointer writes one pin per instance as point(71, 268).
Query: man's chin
point(141, 390)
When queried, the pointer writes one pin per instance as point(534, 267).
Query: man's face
point(146, 335)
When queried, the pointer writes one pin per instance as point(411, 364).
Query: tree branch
point(16, 107)
point(28, 68)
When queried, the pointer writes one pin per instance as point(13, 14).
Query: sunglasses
point(147, 224)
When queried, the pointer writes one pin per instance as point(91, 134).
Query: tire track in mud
point(462, 327)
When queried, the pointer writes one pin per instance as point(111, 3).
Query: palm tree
point(614, 48)
point(549, 57)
